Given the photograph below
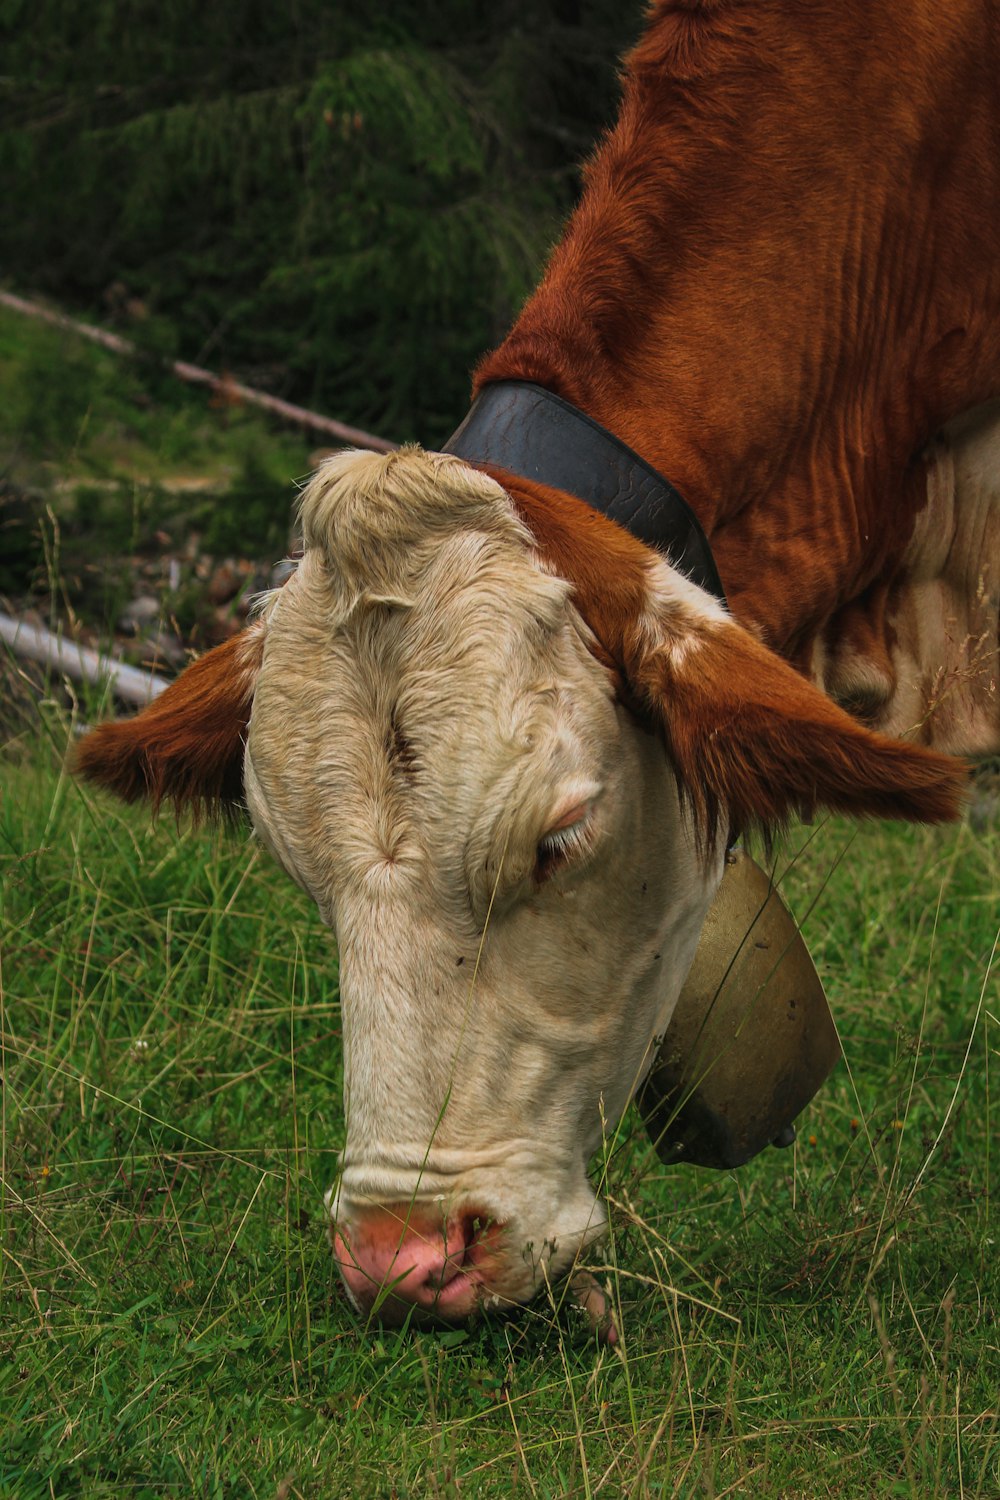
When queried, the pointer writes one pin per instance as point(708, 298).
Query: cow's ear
point(187, 746)
point(753, 742)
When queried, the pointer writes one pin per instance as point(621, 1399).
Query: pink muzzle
point(405, 1259)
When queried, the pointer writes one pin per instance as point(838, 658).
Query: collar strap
point(522, 427)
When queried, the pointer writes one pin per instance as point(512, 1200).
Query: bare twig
point(35, 643)
point(222, 385)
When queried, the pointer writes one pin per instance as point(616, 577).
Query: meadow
point(821, 1323)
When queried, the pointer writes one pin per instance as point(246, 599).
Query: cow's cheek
point(590, 971)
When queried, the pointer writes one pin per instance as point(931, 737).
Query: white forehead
point(421, 543)
point(422, 677)
point(377, 520)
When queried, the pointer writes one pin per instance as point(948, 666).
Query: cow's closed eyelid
point(563, 846)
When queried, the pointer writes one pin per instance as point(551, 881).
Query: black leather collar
point(532, 432)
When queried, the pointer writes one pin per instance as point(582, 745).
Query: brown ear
point(187, 746)
point(753, 742)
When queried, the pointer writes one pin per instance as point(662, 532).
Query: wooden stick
point(230, 390)
point(35, 643)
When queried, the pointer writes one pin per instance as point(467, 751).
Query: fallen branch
point(229, 390)
point(35, 643)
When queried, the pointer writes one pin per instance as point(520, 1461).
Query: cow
point(504, 744)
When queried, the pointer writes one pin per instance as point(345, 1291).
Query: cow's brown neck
point(773, 287)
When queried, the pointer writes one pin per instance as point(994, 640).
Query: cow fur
point(781, 283)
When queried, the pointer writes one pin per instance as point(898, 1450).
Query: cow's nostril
point(457, 1236)
point(415, 1255)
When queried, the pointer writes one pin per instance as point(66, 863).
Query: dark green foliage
point(345, 206)
point(248, 519)
point(20, 542)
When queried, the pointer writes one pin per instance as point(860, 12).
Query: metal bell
point(752, 1038)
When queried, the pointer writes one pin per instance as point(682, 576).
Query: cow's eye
point(570, 836)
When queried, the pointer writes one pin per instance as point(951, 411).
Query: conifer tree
point(347, 207)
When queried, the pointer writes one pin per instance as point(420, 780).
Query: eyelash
point(557, 848)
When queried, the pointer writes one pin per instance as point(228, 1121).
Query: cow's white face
point(436, 752)
point(437, 757)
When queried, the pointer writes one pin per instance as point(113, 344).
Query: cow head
point(455, 727)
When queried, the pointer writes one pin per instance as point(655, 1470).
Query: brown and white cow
point(501, 743)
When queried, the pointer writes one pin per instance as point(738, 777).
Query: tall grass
point(821, 1323)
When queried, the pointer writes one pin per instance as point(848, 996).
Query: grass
point(822, 1323)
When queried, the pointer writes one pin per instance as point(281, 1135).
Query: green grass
point(822, 1323)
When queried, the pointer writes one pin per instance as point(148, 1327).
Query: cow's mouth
point(407, 1265)
point(461, 1301)
point(403, 1260)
